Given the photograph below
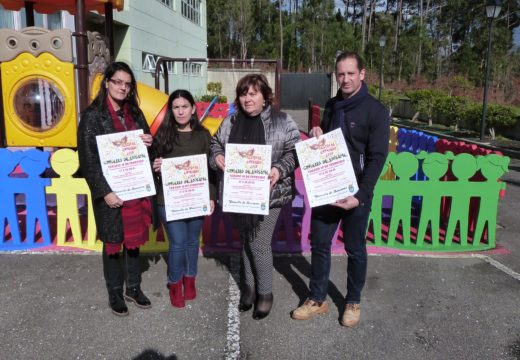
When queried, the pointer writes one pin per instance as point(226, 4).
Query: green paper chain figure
point(460, 190)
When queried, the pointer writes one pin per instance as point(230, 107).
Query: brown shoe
point(310, 309)
point(351, 315)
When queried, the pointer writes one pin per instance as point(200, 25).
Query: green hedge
point(389, 98)
point(425, 101)
point(460, 111)
point(208, 98)
point(498, 116)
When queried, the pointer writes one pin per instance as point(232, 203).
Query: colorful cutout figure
point(463, 167)
point(65, 163)
point(492, 167)
point(34, 163)
point(9, 187)
point(434, 166)
point(405, 166)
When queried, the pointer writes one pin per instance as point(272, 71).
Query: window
point(40, 104)
point(6, 18)
point(16, 20)
point(191, 10)
point(168, 3)
point(191, 69)
point(54, 21)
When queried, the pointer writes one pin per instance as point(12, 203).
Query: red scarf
point(136, 214)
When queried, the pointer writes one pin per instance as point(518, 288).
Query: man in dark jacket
point(364, 122)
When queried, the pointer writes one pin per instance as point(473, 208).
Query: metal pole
point(29, 13)
point(109, 29)
point(166, 79)
point(484, 103)
point(381, 71)
point(81, 53)
point(278, 85)
point(309, 115)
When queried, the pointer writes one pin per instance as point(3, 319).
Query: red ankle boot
point(176, 294)
point(190, 292)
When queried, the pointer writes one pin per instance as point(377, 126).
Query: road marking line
point(232, 351)
point(497, 264)
point(501, 267)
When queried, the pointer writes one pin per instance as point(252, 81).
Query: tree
point(428, 40)
point(241, 21)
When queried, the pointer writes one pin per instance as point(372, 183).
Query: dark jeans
point(324, 223)
point(183, 249)
point(118, 266)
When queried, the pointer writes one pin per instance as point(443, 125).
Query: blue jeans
point(324, 223)
point(183, 252)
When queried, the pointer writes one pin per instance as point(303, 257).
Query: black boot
point(117, 302)
point(247, 296)
point(136, 295)
point(263, 306)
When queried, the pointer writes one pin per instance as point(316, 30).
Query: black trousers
point(120, 267)
point(324, 223)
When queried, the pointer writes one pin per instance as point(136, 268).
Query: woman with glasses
point(122, 226)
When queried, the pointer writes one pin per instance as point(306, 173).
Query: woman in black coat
point(120, 225)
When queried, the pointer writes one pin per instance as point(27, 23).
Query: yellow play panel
point(39, 100)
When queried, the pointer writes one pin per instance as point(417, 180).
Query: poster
point(246, 179)
point(326, 168)
point(185, 184)
point(125, 164)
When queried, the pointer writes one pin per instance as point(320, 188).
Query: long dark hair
point(168, 132)
point(132, 98)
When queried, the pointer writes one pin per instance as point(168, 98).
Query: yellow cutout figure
point(65, 163)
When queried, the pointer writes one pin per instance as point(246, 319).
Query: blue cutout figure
point(8, 189)
point(33, 164)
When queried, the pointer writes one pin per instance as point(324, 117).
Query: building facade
point(147, 30)
point(143, 32)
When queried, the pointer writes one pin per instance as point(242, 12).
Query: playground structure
point(432, 196)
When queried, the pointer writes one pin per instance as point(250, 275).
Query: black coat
point(368, 127)
point(97, 121)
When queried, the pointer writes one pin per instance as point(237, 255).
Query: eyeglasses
point(118, 82)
